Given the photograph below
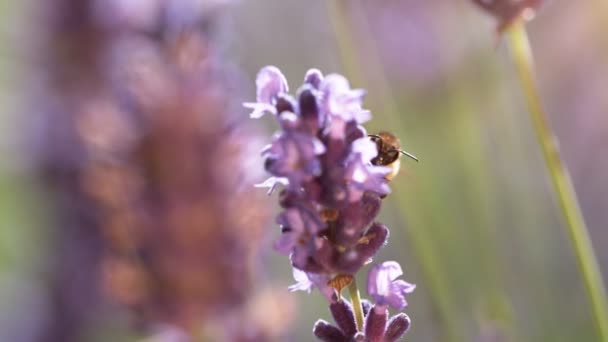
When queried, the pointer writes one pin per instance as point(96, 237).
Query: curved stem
point(522, 55)
point(355, 298)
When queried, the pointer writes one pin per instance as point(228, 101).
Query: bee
point(389, 149)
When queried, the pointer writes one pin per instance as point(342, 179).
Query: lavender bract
point(330, 198)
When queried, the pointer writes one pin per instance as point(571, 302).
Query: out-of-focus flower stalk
point(149, 167)
point(522, 56)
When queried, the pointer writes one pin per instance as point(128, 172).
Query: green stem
point(577, 231)
point(355, 298)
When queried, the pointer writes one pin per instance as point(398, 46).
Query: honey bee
point(389, 149)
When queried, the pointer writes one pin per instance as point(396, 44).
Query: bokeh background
point(474, 224)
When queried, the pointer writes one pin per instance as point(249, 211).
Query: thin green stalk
point(577, 231)
point(355, 298)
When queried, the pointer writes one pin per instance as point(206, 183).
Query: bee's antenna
point(409, 155)
point(374, 136)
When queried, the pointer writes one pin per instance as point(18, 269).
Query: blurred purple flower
point(385, 288)
point(149, 169)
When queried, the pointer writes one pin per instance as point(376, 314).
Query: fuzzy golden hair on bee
point(389, 151)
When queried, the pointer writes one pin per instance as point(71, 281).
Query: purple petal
point(395, 300)
point(292, 218)
point(303, 283)
point(362, 176)
point(342, 102)
point(307, 281)
point(270, 83)
point(259, 109)
point(301, 253)
point(363, 116)
point(294, 155)
point(391, 270)
point(286, 242)
point(365, 147)
point(314, 77)
point(295, 222)
point(403, 286)
point(272, 183)
point(383, 286)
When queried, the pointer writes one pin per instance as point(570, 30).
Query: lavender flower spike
point(385, 288)
point(270, 84)
point(331, 196)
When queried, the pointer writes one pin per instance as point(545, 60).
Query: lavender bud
point(397, 326)
point(288, 120)
point(285, 103)
point(354, 131)
point(314, 77)
point(309, 110)
point(327, 332)
point(375, 323)
point(296, 221)
point(343, 315)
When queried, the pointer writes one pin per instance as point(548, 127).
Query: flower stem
point(522, 56)
point(355, 298)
